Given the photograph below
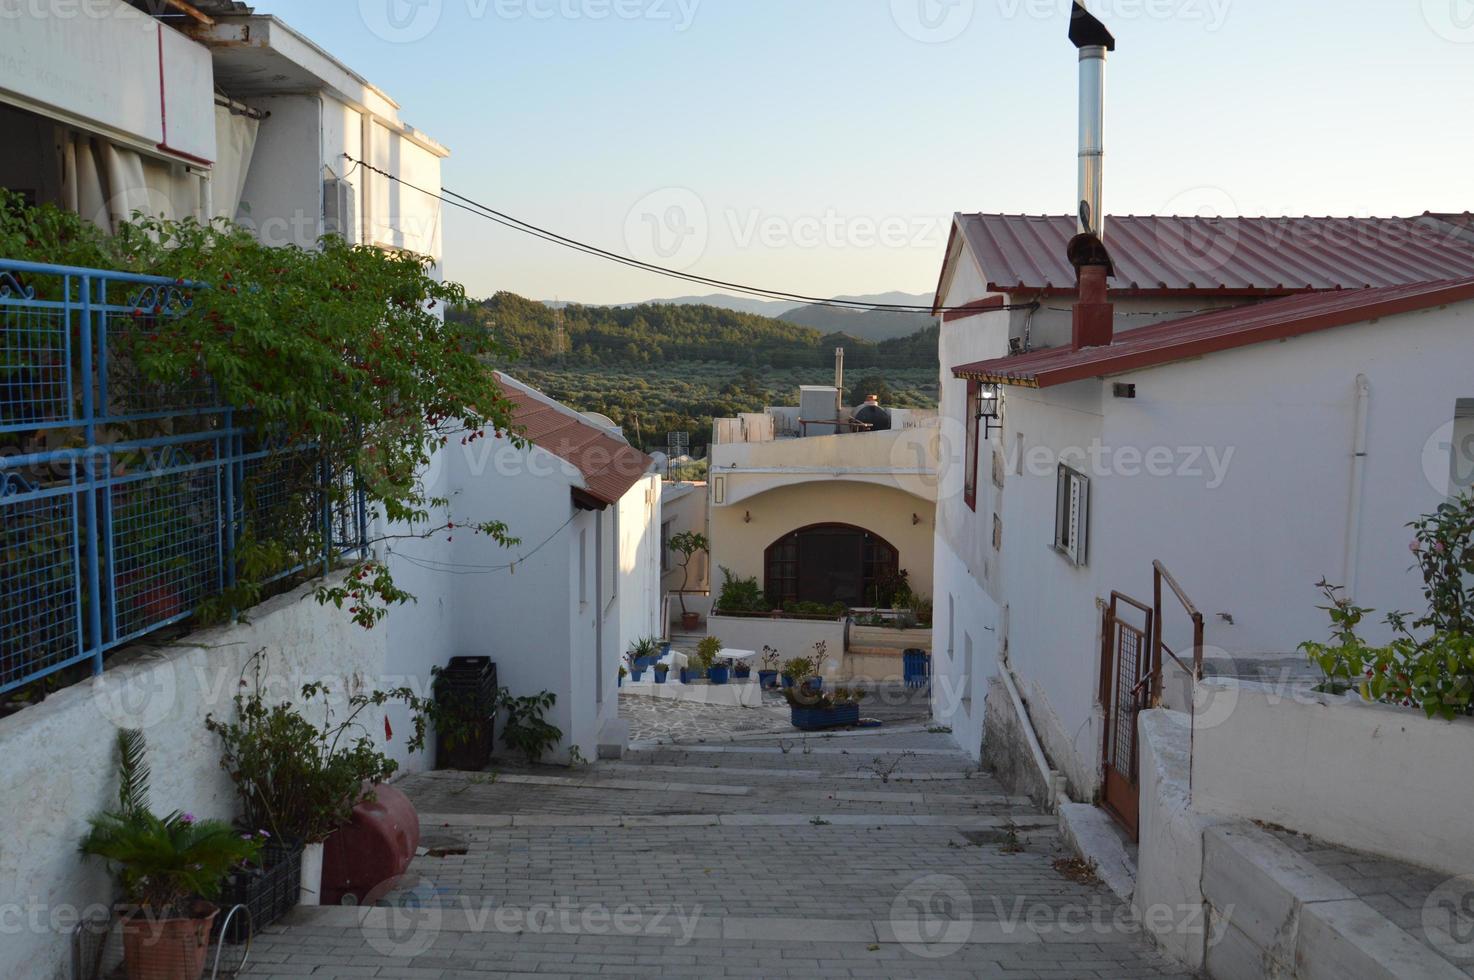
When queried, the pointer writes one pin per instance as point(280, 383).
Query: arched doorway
point(829, 563)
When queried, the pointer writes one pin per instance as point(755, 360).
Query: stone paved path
point(863, 855)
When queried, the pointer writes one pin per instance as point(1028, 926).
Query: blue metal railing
point(123, 501)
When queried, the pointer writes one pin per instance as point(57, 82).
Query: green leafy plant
point(806, 695)
point(1430, 662)
point(817, 610)
point(526, 730)
point(741, 595)
point(162, 862)
point(297, 778)
point(688, 544)
point(337, 350)
point(798, 669)
point(645, 647)
point(707, 652)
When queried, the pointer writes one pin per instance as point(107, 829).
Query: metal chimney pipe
point(1093, 40)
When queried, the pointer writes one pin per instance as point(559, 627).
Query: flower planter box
point(267, 892)
point(818, 719)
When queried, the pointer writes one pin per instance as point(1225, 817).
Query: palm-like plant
point(161, 862)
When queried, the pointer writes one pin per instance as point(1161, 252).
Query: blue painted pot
point(767, 678)
point(742, 673)
point(637, 673)
point(787, 681)
point(818, 719)
point(661, 675)
point(718, 675)
point(645, 663)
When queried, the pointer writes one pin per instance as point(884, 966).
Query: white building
point(557, 611)
point(993, 601)
point(208, 110)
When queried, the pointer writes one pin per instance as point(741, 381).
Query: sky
point(822, 146)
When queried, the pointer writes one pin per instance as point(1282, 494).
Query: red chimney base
point(1094, 315)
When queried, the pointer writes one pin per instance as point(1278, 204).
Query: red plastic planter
point(376, 846)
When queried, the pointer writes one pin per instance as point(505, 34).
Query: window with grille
point(1072, 515)
point(970, 453)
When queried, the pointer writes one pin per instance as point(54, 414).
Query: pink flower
point(1438, 546)
point(187, 818)
point(1415, 547)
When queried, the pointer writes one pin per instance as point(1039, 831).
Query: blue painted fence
point(122, 501)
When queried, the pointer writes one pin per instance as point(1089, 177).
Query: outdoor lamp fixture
point(990, 408)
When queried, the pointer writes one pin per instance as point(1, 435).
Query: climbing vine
point(337, 357)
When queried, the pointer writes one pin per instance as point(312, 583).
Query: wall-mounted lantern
point(990, 408)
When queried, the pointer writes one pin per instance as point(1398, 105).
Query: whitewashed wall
point(58, 766)
point(1365, 776)
point(1252, 510)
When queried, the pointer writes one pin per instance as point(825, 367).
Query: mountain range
point(872, 325)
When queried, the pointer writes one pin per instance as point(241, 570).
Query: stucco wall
point(887, 512)
point(1369, 777)
point(684, 508)
point(1234, 470)
point(58, 767)
point(790, 637)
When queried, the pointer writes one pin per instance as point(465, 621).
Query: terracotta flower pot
point(690, 620)
point(167, 949)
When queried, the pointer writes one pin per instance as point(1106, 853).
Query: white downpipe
point(311, 894)
point(1358, 474)
point(1036, 750)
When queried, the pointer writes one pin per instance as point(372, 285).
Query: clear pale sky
point(821, 146)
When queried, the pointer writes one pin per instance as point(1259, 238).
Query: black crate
point(468, 683)
point(468, 677)
point(268, 892)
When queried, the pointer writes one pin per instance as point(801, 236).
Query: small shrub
point(741, 595)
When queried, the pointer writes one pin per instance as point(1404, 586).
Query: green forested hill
point(659, 368)
point(664, 334)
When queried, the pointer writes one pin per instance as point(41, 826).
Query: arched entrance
point(829, 563)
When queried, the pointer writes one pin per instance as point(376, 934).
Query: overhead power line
point(527, 228)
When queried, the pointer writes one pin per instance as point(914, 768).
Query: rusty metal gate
point(1126, 683)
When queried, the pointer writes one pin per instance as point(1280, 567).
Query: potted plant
point(299, 780)
point(768, 676)
point(169, 868)
point(661, 672)
point(796, 670)
point(688, 544)
point(706, 659)
point(811, 710)
point(741, 670)
point(623, 673)
point(645, 653)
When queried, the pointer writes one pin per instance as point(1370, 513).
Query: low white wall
point(1365, 776)
point(58, 766)
point(1169, 867)
point(791, 637)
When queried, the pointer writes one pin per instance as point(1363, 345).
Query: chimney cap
point(1087, 249)
point(1086, 30)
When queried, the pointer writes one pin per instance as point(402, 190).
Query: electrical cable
point(527, 228)
point(456, 568)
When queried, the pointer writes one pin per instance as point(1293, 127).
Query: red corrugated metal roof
point(1225, 256)
point(609, 467)
point(1195, 336)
